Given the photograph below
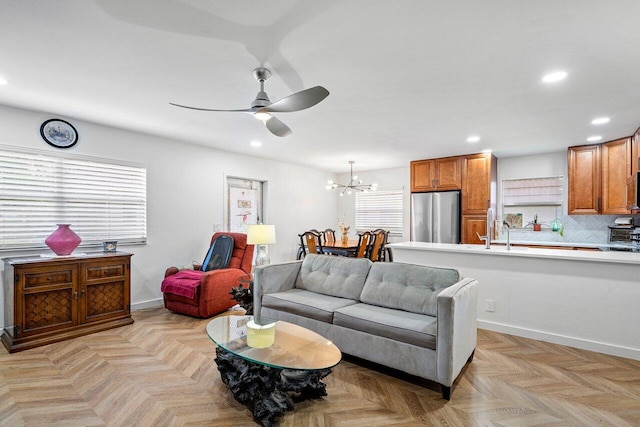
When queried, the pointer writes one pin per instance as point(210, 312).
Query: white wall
point(185, 187)
point(386, 179)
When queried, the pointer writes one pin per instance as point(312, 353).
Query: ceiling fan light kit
point(262, 107)
point(354, 184)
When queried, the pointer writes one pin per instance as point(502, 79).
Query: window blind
point(101, 200)
point(380, 209)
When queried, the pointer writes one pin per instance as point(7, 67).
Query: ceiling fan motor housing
point(262, 100)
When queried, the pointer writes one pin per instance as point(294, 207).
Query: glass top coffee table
point(269, 364)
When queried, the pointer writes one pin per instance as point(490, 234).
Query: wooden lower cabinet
point(472, 225)
point(52, 299)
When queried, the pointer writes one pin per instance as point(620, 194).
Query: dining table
point(339, 248)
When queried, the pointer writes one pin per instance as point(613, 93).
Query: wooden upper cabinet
point(598, 176)
point(422, 175)
point(436, 174)
point(478, 183)
point(584, 180)
point(616, 166)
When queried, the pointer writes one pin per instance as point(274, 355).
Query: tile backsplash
point(577, 229)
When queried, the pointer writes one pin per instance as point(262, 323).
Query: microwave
point(633, 192)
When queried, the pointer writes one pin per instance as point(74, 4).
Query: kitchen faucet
point(487, 237)
point(506, 224)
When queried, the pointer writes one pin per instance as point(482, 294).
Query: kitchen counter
point(549, 243)
point(584, 299)
point(524, 251)
point(579, 245)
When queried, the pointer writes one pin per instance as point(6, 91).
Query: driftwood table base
point(268, 392)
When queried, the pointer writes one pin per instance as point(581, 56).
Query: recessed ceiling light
point(594, 138)
point(554, 77)
point(600, 121)
point(473, 139)
point(3, 81)
point(256, 144)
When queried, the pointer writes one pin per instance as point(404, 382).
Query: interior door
point(244, 204)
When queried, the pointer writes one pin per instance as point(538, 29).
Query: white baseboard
point(614, 350)
point(147, 304)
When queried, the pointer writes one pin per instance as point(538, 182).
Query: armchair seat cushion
point(411, 328)
point(306, 304)
point(184, 283)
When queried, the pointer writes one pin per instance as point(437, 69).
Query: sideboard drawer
point(42, 277)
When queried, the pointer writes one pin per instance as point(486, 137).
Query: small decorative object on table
point(345, 232)
point(259, 334)
point(110, 246)
point(63, 241)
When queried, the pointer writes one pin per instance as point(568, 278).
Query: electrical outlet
point(490, 305)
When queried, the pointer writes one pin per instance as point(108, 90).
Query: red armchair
point(205, 294)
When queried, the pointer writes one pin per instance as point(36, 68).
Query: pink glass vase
point(63, 241)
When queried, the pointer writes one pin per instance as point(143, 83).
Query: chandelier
point(354, 184)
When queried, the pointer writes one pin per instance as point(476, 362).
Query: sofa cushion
point(411, 328)
point(306, 304)
point(333, 275)
point(407, 287)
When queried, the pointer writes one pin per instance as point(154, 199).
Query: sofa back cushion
point(333, 275)
point(408, 287)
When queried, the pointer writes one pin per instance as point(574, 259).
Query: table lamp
point(261, 235)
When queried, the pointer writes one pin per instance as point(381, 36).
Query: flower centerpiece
point(344, 230)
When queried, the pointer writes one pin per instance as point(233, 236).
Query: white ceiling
point(409, 79)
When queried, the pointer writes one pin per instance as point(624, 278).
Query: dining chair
point(310, 242)
point(365, 238)
point(329, 236)
point(379, 239)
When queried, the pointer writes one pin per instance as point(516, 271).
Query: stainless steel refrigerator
point(435, 217)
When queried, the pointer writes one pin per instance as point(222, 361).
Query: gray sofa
point(417, 319)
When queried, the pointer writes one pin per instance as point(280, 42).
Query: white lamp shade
point(261, 234)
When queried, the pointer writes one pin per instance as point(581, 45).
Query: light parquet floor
point(160, 372)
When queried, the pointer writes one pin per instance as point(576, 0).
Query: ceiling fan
point(262, 107)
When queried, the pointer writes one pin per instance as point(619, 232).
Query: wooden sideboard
point(53, 299)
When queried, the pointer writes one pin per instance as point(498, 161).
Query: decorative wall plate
point(59, 133)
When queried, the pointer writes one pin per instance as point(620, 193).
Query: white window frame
point(382, 208)
point(101, 199)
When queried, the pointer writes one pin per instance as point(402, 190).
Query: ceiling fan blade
point(298, 101)
point(248, 110)
point(277, 128)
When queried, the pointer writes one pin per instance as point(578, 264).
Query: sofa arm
point(457, 329)
point(272, 278)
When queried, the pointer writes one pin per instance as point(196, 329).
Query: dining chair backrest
point(329, 236)
point(311, 242)
point(364, 240)
point(380, 237)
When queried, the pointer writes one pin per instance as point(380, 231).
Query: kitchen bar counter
point(571, 245)
point(583, 299)
point(524, 251)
